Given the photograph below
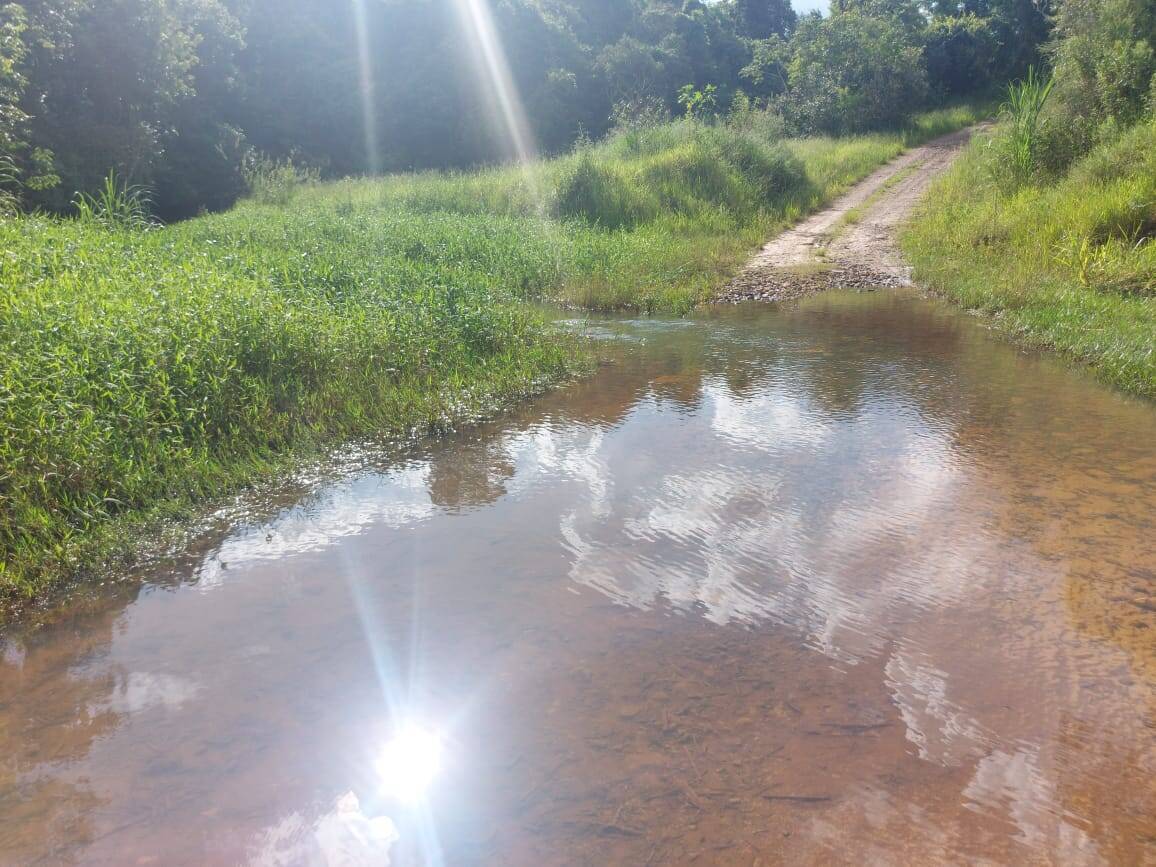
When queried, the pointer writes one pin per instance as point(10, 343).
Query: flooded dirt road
point(852, 242)
point(847, 582)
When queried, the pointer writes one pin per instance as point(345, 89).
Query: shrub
point(275, 182)
point(699, 104)
point(1104, 53)
point(596, 192)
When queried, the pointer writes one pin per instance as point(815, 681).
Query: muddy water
point(845, 582)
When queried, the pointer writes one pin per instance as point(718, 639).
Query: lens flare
point(368, 99)
point(409, 764)
point(501, 92)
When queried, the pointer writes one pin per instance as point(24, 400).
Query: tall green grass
point(172, 365)
point(1022, 115)
point(147, 367)
point(1067, 264)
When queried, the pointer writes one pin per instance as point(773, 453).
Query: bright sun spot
point(409, 763)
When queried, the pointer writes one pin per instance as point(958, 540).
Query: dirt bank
point(851, 243)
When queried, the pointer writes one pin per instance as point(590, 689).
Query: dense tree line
point(174, 94)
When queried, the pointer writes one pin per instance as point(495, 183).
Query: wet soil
point(850, 244)
point(844, 581)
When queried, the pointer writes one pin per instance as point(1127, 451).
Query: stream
point(844, 581)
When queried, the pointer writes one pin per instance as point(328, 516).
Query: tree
point(960, 52)
point(633, 70)
point(202, 151)
point(762, 19)
point(12, 51)
point(1105, 58)
point(766, 75)
point(1021, 28)
point(105, 82)
point(12, 118)
point(595, 22)
point(904, 13)
point(172, 94)
point(852, 72)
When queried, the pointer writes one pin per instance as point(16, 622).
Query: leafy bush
point(699, 104)
point(275, 182)
point(594, 191)
point(1104, 53)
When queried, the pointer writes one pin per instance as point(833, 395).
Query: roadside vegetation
point(1049, 223)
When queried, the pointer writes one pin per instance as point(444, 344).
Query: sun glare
point(368, 105)
point(410, 763)
point(502, 93)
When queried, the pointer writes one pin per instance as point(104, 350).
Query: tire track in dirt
point(851, 243)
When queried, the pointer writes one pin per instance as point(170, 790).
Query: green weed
point(9, 184)
point(117, 205)
point(275, 182)
point(1018, 145)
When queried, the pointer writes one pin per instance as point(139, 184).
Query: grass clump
point(1020, 142)
point(116, 206)
point(1067, 263)
point(275, 182)
point(598, 193)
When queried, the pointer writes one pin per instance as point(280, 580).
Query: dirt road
point(852, 242)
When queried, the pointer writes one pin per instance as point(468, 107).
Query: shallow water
point(849, 581)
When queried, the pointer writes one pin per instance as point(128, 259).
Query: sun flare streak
point(494, 68)
point(366, 87)
point(407, 764)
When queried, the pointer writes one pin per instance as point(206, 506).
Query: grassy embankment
point(144, 372)
point(1067, 264)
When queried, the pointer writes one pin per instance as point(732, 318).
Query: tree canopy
point(173, 95)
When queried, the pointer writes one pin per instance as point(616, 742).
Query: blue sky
point(808, 5)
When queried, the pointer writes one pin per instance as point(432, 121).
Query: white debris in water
point(343, 837)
